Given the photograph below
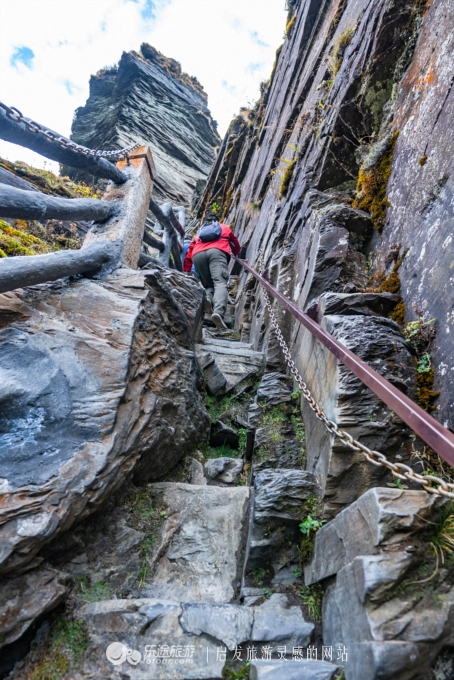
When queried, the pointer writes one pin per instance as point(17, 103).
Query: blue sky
point(49, 49)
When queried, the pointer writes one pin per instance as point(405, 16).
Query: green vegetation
point(420, 334)
point(148, 516)
point(94, 593)
point(286, 178)
point(310, 525)
point(372, 184)
point(224, 451)
point(19, 242)
point(48, 183)
point(397, 484)
point(267, 592)
point(298, 426)
point(241, 674)
point(67, 646)
point(258, 576)
point(217, 406)
point(338, 50)
point(242, 441)
point(312, 597)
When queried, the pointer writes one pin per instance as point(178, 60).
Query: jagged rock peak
point(147, 98)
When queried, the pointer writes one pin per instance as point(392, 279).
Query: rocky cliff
point(148, 99)
point(353, 128)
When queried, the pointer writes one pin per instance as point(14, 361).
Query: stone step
point(197, 557)
point(307, 669)
point(154, 639)
point(235, 361)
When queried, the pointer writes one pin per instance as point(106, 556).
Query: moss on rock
point(372, 185)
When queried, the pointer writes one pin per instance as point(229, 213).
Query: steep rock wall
point(148, 99)
point(354, 118)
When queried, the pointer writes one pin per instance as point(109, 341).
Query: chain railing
point(65, 143)
point(430, 483)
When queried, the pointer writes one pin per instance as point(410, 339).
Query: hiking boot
point(218, 321)
point(208, 307)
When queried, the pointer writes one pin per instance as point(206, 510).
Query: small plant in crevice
point(93, 593)
point(312, 597)
point(441, 542)
point(310, 525)
point(308, 528)
point(240, 674)
point(420, 334)
point(338, 50)
point(62, 654)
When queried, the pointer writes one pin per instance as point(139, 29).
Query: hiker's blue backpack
point(210, 232)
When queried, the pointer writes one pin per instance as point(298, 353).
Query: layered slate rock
point(148, 99)
point(190, 641)
point(389, 635)
point(119, 355)
point(196, 559)
point(389, 604)
point(282, 499)
point(224, 470)
point(25, 598)
point(294, 670)
point(345, 474)
point(381, 519)
point(277, 622)
point(236, 361)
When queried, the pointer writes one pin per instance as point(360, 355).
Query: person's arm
point(234, 243)
point(187, 265)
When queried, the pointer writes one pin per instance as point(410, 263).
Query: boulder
point(229, 623)
point(381, 519)
point(197, 476)
point(99, 382)
point(159, 646)
point(278, 623)
point(236, 361)
point(275, 388)
point(225, 470)
point(26, 598)
point(390, 631)
point(197, 555)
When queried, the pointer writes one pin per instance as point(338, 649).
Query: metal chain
point(33, 126)
point(399, 470)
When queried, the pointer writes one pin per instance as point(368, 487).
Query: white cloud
point(229, 45)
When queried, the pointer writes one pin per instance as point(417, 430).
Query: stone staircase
point(196, 614)
point(229, 587)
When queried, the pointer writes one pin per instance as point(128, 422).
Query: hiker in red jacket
point(210, 252)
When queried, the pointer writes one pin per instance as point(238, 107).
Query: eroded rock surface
point(125, 399)
point(198, 553)
point(147, 99)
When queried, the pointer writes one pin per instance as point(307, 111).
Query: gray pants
point(213, 271)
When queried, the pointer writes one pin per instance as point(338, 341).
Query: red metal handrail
point(430, 430)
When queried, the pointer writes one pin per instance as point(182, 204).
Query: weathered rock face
point(148, 99)
point(389, 604)
point(340, 185)
point(124, 399)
